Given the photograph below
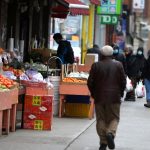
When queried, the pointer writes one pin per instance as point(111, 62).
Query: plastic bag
point(129, 86)
point(140, 92)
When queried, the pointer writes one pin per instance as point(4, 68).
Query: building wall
point(100, 33)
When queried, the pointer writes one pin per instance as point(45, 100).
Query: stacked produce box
point(38, 112)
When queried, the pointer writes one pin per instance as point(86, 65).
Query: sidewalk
point(64, 131)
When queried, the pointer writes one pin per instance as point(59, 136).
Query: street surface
point(80, 133)
point(133, 131)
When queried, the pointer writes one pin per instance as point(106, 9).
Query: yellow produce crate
point(77, 110)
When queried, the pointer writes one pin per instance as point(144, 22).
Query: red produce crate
point(33, 84)
point(39, 91)
point(37, 122)
point(38, 104)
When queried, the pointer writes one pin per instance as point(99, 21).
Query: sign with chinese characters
point(110, 7)
point(36, 101)
point(38, 124)
point(108, 19)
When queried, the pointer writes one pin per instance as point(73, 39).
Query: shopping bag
point(140, 92)
point(129, 86)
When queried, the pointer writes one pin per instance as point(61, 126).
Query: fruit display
point(17, 72)
point(74, 80)
point(78, 74)
point(6, 83)
point(1, 51)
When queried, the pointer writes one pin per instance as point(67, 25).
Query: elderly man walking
point(106, 83)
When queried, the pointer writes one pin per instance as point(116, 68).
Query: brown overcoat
point(107, 81)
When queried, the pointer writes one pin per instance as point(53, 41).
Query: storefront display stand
point(74, 89)
point(8, 110)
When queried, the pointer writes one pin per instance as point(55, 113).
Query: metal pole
point(50, 4)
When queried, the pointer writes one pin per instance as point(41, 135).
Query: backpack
point(69, 54)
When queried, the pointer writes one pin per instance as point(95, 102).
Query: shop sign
point(110, 7)
point(138, 4)
point(108, 19)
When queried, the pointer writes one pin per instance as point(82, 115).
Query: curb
point(80, 133)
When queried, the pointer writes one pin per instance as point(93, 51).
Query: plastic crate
point(77, 110)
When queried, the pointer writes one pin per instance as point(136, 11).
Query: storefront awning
point(96, 2)
point(60, 12)
point(74, 7)
point(77, 8)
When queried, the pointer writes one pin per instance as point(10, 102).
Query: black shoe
point(147, 105)
point(103, 147)
point(110, 141)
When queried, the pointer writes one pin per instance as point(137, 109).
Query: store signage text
point(108, 19)
point(110, 7)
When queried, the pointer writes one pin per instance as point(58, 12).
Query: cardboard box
point(39, 91)
point(90, 59)
point(38, 104)
point(37, 121)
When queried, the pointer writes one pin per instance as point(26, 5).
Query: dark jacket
point(61, 49)
point(135, 66)
point(146, 69)
point(65, 53)
point(121, 57)
point(107, 81)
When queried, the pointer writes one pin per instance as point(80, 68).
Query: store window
point(70, 28)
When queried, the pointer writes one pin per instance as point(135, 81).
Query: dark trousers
point(107, 119)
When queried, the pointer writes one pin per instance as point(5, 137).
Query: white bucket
point(55, 80)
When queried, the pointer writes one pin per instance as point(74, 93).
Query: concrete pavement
point(64, 131)
point(133, 131)
point(80, 134)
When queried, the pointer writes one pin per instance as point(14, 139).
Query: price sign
point(38, 124)
point(36, 101)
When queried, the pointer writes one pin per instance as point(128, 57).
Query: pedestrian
point(135, 64)
point(106, 83)
point(140, 59)
point(94, 50)
point(119, 57)
point(146, 77)
point(64, 50)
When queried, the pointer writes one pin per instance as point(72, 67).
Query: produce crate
point(38, 104)
point(36, 88)
point(39, 122)
point(34, 84)
point(77, 110)
point(38, 112)
point(39, 91)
